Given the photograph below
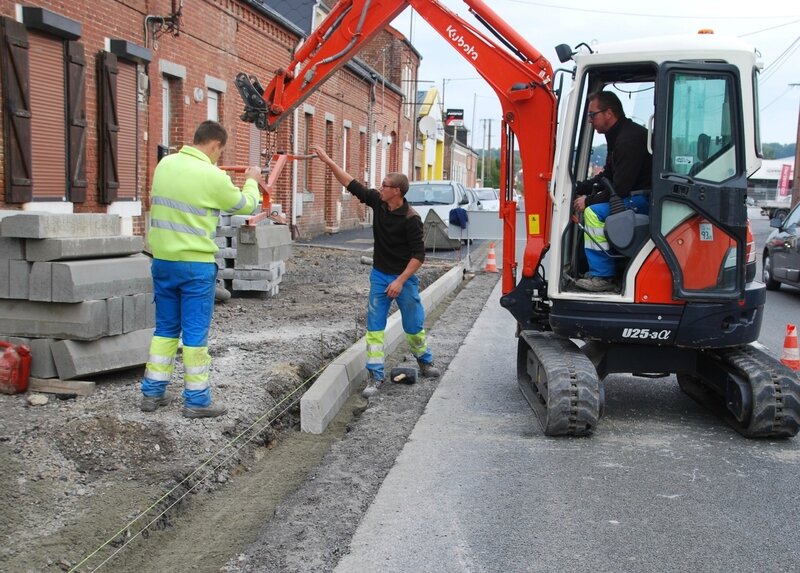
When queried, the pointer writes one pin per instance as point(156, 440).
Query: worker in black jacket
point(628, 167)
point(398, 253)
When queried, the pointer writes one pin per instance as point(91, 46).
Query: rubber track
point(568, 401)
point(775, 391)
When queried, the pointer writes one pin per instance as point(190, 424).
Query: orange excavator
point(687, 303)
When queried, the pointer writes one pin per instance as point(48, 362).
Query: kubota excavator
point(687, 304)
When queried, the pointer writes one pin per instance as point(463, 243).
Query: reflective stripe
point(417, 343)
point(594, 231)
point(202, 385)
point(180, 206)
point(375, 347)
point(196, 366)
point(157, 376)
point(158, 359)
point(240, 205)
point(196, 370)
point(177, 227)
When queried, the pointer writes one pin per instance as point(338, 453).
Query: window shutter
point(76, 121)
point(127, 135)
point(109, 128)
point(17, 127)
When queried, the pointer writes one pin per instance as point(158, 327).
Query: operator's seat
point(628, 231)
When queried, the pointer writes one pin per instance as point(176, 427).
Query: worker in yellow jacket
point(189, 192)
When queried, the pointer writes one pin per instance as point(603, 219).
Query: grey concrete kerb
point(320, 404)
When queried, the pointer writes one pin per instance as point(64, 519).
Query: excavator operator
point(629, 168)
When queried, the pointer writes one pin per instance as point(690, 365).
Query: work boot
point(211, 411)
point(153, 403)
point(373, 387)
point(596, 284)
point(428, 370)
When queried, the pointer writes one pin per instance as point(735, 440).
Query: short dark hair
point(400, 181)
point(210, 130)
point(608, 100)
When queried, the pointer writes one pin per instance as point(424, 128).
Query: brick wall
point(217, 39)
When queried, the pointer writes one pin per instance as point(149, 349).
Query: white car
point(439, 196)
point(488, 198)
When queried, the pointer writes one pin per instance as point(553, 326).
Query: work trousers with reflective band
point(184, 297)
point(600, 263)
point(411, 312)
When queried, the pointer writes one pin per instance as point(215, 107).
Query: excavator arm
point(519, 74)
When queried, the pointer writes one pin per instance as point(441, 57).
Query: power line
point(768, 29)
point(773, 67)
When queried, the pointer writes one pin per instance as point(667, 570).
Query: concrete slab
point(41, 282)
point(42, 365)
point(5, 278)
point(266, 235)
point(96, 279)
point(29, 225)
point(12, 248)
point(82, 321)
point(326, 397)
point(19, 273)
point(77, 358)
point(81, 248)
point(258, 257)
point(320, 404)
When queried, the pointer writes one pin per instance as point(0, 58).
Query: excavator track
point(761, 396)
point(560, 383)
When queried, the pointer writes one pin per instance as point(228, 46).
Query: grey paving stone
point(12, 248)
point(82, 248)
point(94, 279)
point(75, 358)
point(30, 225)
point(19, 273)
point(82, 321)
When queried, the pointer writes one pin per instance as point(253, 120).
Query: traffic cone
point(491, 260)
point(791, 355)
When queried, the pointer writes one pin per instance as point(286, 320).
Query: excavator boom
point(519, 74)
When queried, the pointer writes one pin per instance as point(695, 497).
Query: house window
point(214, 98)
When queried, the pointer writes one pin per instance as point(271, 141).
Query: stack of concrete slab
point(76, 291)
point(252, 258)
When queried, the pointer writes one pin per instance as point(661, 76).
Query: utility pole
point(489, 145)
point(796, 183)
point(483, 153)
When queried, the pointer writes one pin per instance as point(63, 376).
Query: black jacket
point(398, 234)
point(629, 166)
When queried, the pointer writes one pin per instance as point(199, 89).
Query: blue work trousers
point(184, 298)
point(412, 315)
point(600, 264)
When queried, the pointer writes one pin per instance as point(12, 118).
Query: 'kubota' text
point(458, 40)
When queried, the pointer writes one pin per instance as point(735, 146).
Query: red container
point(15, 367)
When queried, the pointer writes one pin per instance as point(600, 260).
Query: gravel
point(78, 472)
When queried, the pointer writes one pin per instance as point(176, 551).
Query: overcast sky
point(771, 26)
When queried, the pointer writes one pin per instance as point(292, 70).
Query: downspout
point(296, 204)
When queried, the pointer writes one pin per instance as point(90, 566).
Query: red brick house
point(92, 90)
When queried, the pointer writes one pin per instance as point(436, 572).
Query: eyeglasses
point(591, 114)
point(388, 186)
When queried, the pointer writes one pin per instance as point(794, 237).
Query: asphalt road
point(661, 486)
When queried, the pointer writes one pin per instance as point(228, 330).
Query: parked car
point(439, 196)
point(488, 198)
point(781, 257)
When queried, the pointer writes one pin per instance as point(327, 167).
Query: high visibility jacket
point(188, 194)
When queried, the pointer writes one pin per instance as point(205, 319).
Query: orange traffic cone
point(791, 355)
point(491, 260)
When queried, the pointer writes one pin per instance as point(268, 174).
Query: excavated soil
point(91, 482)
